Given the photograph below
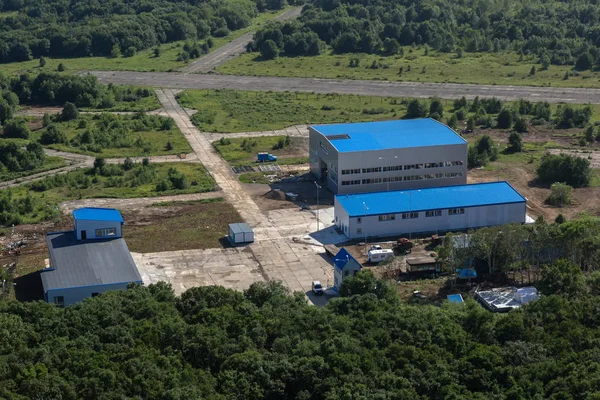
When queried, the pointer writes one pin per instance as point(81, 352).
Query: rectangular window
point(59, 301)
point(388, 217)
point(411, 215)
point(456, 211)
point(358, 220)
point(358, 230)
point(106, 232)
point(433, 213)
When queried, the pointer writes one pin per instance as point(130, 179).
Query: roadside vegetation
point(46, 28)
point(243, 151)
point(191, 225)
point(38, 201)
point(112, 135)
point(441, 42)
point(163, 57)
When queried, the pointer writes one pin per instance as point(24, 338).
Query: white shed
point(240, 233)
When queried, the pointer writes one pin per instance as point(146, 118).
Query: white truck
point(376, 256)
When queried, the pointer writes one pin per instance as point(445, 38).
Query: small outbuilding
point(507, 298)
point(240, 233)
point(344, 266)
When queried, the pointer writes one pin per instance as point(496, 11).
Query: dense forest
point(215, 343)
point(65, 28)
point(558, 32)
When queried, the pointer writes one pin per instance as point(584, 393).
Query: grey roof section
point(240, 227)
point(80, 263)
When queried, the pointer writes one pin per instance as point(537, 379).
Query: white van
point(376, 256)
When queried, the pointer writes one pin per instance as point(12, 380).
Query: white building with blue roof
point(345, 266)
point(428, 210)
point(91, 259)
point(387, 155)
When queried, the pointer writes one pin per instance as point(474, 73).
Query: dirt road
point(356, 87)
point(232, 49)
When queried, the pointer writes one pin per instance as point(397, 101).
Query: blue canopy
point(455, 298)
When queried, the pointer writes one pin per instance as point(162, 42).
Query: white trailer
point(376, 256)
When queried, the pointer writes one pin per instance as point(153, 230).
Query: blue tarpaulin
point(466, 273)
point(455, 298)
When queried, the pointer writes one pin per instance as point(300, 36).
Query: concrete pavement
point(355, 87)
point(279, 258)
point(232, 49)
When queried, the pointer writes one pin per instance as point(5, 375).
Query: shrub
point(53, 135)
point(520, 125)
point(69, 112)
point(515, 142)
point(560, 195)
point(269, 50)
point(574, 171)
point(16, 128)
point(505, 119)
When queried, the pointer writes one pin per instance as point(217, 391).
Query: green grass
point(153, 140)
point(234, 151)
point(235, 111)
point(49, 163)
point(143, 60)
point(149, 103)
point(83, 183)
point(503, 68)
point(201, 226)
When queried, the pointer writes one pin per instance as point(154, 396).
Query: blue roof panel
point(382, 135)
point(459, 196)
point(342, 258)
point(98, 214)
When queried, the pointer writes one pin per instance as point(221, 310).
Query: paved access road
point(357, 87)
point(232, 49)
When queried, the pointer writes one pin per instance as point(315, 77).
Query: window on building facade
point(456, 211)
point(388, 217)
point(358, 230)
point(106, 232)
point(433, 213)
point(411, 215)
point(358, 220)
point(59, 301)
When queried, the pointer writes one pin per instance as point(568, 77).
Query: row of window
point(413, 215)
point(401, 178)
point(402, 167)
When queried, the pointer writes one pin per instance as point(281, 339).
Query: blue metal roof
point(455, 298)
point(342, 258)
point(98, 214)
point(382, 135)
point(459, 196)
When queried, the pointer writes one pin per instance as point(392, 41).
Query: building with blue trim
point(91, 259)
point(387, 155)
point(428, 210)
point(345, 266)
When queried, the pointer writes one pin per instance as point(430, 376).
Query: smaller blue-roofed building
point(97, 223)
point(344, 266)
point(387, 155)
point(455, 298)
point(428, 210)
point(91, 259)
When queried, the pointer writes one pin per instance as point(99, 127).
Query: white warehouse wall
point(321, 150)
point(474, 217)
point(77, 294)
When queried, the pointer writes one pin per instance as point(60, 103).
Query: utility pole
point(365, 232)
point(318, 187)
point(388, 172)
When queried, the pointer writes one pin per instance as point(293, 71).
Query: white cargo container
point(376, 256)
point(240, 233)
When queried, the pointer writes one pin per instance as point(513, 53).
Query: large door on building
point(83, 235)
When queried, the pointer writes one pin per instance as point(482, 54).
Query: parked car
point(317, 288)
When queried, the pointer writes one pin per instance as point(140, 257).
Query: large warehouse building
point(428, 210)
point(387, 155)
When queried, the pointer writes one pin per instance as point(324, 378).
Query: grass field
point(143, 142)
point(143, 61)
point(149, 103)
point(504, 68)
point(200, 225)
point(227, 111)
point(236, 150)
point(49, 163)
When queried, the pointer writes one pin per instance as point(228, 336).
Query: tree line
point(55, 28)
point(560, 33)
point(264, 343)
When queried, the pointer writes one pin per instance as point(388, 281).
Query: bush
point(416, 109)
point(505, 119)
point(53, 135)
point(515, 142)
point(99, 163)
point(16, 128)
point(574, 171)
point(560, 195)
point(269, 50)
point(69, 112)
point(520, 125)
